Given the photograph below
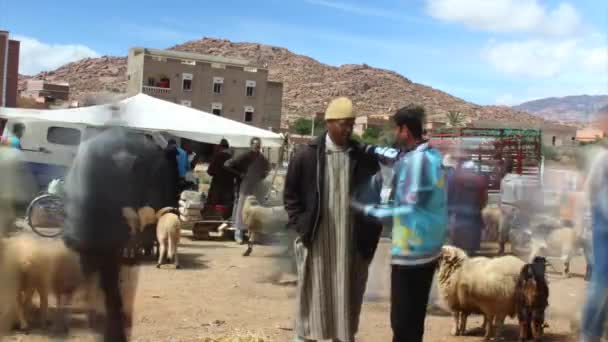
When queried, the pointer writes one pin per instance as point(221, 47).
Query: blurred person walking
point(14, 139)
point(104, 180)
point(172, 173)
point(222, 187)
point(596, 307)
point(335, 245)
point(419, 221)
point(467, 196)
point(252, 168)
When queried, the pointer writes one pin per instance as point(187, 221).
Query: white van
point(49, 148)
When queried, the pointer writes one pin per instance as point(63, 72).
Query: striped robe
point(331, 273)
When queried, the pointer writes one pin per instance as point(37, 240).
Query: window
point(218, 66)
point(216, 108)
point(63, 136)
point(151, 81)
point(250, 69)
point(249, 113)
point(159, 59)
point(186, 103)
point(218, 85)
point(187, 82)
point(188, 62)
point(249, 88)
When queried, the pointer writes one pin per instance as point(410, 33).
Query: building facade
point(228, 87)
point(9, 70)
point(46, 92)
point(363, 122)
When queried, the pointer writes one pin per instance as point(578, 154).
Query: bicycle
point(45, 214)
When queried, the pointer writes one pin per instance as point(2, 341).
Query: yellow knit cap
point(340, 108)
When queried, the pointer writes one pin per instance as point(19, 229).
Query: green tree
point(303, 126)
point(371, 133)
point(375, 135)
point(550, 153)
point(455, 118)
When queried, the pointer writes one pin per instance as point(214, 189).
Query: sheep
point(134, 225)
point(448, 273)
point(46, 267)
point(147, 239)
point(562, 241)
point(478, 284)
point(492, 219)
point(532, 295)
point(168, 233)
point(265, 220)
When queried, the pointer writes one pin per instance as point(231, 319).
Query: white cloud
point(523, 16)
point(36, 56)
point(547, 59)
point(531, 58)
point(595, 60)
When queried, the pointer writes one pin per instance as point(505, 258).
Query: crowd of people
point(333, 199)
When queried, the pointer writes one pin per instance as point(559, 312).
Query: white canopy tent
point(147, 113)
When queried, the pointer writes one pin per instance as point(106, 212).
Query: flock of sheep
point(549, 237)
point(49, 268)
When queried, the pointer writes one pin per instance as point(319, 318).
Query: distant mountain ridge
point(307, 84)
point(580, 108)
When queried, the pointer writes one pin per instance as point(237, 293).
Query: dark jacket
point(109, 173)
point(253, 167)
point(172, 174)
point(303, 194)
point(222, 186)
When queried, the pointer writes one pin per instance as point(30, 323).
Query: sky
point(485, 51)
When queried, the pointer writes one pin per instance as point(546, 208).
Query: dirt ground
point(219, 292)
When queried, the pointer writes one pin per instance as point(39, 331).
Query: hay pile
point(238, 337)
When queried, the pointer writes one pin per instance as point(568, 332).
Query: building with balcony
point(229, 87)
point(9, 70)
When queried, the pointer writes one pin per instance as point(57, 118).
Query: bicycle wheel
point(45, 215)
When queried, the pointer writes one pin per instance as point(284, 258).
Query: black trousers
point(410, 288)
point(107, 264)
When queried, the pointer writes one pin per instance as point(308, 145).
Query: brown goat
point(531, 296)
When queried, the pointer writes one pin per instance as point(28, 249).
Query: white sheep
point(492, 219)
point(134, 225)
point(264, 220)
point(147, 221)
point(42, 266)
point(563, 242)
point(168, 232)
point(478, 285)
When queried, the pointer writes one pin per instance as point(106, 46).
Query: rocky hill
point(308, 84)
point(580, 108)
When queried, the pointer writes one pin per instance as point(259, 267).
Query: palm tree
point(455, 118)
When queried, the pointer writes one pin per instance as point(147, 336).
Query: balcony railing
point(156, 90)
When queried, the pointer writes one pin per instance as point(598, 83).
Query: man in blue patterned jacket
point(418, 214)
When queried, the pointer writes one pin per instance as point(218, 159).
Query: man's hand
point(365, 209)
